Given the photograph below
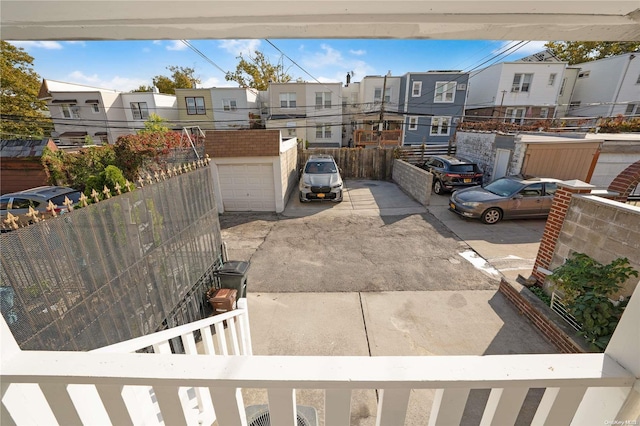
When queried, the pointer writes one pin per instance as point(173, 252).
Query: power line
point(205, 57)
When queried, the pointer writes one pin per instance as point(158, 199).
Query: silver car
point(18, 203)
point(505, 198)
point(320, 180)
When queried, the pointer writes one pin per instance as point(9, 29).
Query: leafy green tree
point(256, 72)
point(154, 124)
point(181, 78)
point(20, 109)
point(576, 52)
point(143, 88)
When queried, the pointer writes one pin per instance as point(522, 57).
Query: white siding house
point(516, 91)
point(234, 107)
point(139, 105)
point(607, 87)
point(323, 103)
point(83, 114)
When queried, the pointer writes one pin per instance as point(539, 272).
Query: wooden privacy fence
point(356, 163)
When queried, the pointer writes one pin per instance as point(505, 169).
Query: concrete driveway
point(359, 278)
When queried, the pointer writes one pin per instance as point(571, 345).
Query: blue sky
point(125, 65)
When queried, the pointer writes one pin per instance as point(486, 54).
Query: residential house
point(312, 112)
point(378, 121)
point(515, 92)
point(139, 105)
point(433, 102)
point(195, 108)
point(607, 87)
point(235, 107)
point(82, 114)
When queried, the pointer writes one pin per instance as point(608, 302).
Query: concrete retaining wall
point(542, 317)
point(413, 180)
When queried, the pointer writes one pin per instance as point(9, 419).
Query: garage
point(247, 186)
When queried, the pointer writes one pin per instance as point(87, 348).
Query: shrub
point(587, 286)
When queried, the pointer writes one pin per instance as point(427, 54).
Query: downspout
point(624, 75)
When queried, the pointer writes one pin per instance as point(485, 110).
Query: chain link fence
point(114, 270)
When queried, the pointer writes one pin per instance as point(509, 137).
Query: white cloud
point(80, 43)
point(240, 47)
point(49, 45)
point(327, 57)
point(176, 45)
point(122, 84)
point(358, 52)
point(216, 82)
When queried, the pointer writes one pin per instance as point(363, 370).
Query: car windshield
point(317, 167)
point(462, 168)
point(504, 187)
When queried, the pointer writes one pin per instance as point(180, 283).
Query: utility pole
point(501, 103)
point(381, 125)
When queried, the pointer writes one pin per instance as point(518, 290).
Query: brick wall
point(242, 143)
point(18, 174)
point(542, 317)
point(413, 180)
point(626, 181)
point(559, 208)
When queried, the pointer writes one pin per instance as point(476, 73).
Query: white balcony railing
point(112, 386)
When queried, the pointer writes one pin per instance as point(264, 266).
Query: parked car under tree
point(505, 198)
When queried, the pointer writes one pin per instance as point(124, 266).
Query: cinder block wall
point(413, 180)
point(602, 229)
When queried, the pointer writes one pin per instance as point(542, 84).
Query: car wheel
point(491, 216)
point(437, 187)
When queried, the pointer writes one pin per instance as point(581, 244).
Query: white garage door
point(247, 187)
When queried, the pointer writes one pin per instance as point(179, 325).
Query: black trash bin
point(233, 274)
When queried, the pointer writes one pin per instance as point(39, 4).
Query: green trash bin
point(233, 274)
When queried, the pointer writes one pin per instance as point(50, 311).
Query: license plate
point(453, 206)
point(467, 181)
point(320, 195)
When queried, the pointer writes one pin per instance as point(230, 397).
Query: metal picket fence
point(115, 270)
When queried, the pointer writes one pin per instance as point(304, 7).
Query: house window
point(229, 104)
point(630, 109)
point(95, 108)
point(70, 111)
point(574, 104)
point(377, 95)
point(195, 105)
point(584, 74)
point(354, 99)
point(440, 125)
point(564, 82)
point(323, 131)
point(413, 123)
point(552, 79)
point(521, 82)
point(544, 112)
point(291, 128)
point(515, 115)
point(139, 110)
point(416, 89)
point(445, 91)
point(288, 100)
point(323, 100)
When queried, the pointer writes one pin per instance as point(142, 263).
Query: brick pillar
point(559, 207)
